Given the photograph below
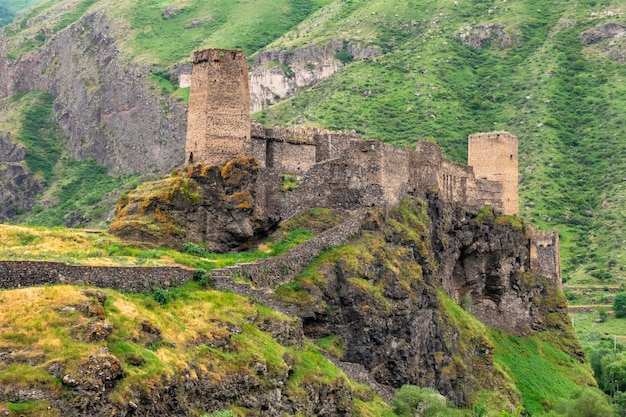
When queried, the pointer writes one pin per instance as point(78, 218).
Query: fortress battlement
point(343, 170)
point(363, 172)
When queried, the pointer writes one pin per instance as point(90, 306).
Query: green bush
point(411, 400)
point(202, 276)
point(194, 249)
point(619, 305)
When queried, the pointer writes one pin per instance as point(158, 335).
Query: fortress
point(342, 170)
point(219, 129)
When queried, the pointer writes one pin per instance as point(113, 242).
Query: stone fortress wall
point(17, 274)
point(349, 172)
point(343, 170)
point(545, 253)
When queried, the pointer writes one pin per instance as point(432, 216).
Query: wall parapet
point(17, 274)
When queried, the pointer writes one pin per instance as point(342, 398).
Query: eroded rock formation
point(278, 74)
point(109, 109)
point(19, 186)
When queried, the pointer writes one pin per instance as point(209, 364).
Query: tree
point(619, 305)
point(590, 403)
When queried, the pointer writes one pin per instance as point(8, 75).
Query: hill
point(89, 92)
point(551, 75)
point(372, 310)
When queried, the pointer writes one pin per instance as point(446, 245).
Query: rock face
point(19, 187)
point(484, 35)
point(277, 74)
point(225, 207)
point(384, 305)
point(110, 110)
point(611, 36)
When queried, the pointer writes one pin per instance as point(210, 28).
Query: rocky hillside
point(423, 293)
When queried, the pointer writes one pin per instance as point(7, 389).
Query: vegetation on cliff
point(552, 74)
point(206, 351)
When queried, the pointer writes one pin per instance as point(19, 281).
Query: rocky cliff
point(423, 293)
point(387, 295)
point(278, 74)
point(19, 187)
point(380, 297)
point(225, 208)
point(109, 109)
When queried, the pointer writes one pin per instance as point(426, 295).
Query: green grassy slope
point(561, 98)
point(10, 9)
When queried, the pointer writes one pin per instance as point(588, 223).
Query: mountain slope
point(552, 74)
point(451, 70)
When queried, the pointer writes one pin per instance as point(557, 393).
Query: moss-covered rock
point(222, 208)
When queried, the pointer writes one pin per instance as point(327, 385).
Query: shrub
point(202, 276)
point(411, 400)
point(619, 305)
point(162, 296)
point(194, 249)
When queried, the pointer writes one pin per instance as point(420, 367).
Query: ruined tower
point(218, 121)
point(494, 157)
point(545, 253)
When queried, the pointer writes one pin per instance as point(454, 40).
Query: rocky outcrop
point(278, 74)
point(599, 33)
point(18, 187)
point(613, 37)
point(382, 299)
point(226, 208)
point(109, 109)
point(480, 36)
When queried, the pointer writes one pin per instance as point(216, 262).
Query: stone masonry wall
point(454, 182)
point(290, 158)
point(396, 170)
point(544, 254)
point(494, 157)
point(272, 272)
point(16, 274)
point(218, 121)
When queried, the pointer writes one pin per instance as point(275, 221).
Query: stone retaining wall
point(272, 272)
point(16, 274)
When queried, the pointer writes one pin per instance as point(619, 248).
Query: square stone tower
point(218, 120)
point(494, 157)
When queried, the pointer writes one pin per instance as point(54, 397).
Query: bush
point(162, 296)
point(589, 403)
point(411, 400)
point(202, 276)
point(619, 305)
point(603, 314)
point(194, 249)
